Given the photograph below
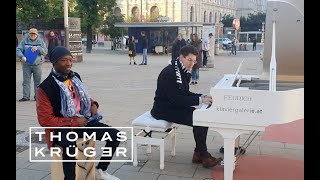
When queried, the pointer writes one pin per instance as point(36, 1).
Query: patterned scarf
point(68, 108)
point(178, 67)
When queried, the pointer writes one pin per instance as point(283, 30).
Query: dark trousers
point(69, 167)
point(254, 47)
point(234, 50)
point(184, 116)
point(205, 58)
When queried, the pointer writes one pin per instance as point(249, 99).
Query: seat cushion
point(146, 120)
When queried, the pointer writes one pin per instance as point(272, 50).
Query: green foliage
point(92, 13)
point(45, 10)
point(252, 23)
point(227, 20)
point(32, 9)
point(109, 28)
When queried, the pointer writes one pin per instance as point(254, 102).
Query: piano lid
point(289, 17)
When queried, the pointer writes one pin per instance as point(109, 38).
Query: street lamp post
point(262, 37)
point(66, 26)
point(141, 11)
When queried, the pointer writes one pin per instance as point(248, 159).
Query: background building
point(182, 11)
point(245, 7)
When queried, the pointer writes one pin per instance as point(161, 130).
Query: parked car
point(225, 42)
point(84, 41)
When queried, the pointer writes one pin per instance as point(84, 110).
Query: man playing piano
point(174, 102)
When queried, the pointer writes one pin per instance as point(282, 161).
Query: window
point(117, 11)
point(154, 13)
point(191, 14)
point(205, 16)
point(210, 17)
point(135, 13)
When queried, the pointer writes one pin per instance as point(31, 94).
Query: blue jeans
point(195, 75)
point(27, 70)
point(145, 58)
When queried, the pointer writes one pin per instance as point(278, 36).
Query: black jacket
point(144, 42)
point(173, 102)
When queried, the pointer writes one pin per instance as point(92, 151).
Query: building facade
point(172, 11)
point(245, 7)
point(205, 11)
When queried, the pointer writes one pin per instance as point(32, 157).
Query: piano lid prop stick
point(273, 63)
point(237, 73)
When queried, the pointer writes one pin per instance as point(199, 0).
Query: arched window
point(205, 16)
point(215, 17)
point(210, 17)
point(117, 11)
point(135, 13)
point(191, 14)
point(154, 13)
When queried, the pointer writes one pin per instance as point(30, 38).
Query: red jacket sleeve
point(46, 116)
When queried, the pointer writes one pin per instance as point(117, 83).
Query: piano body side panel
point(256, 108)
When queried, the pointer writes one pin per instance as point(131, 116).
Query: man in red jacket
point(63, 101)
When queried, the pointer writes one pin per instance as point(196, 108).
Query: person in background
point(254, 45)
point(178, 43)
point(205, 50)
point(132, 50)
point(175, 103)
point(31, 68)
point(234, 46)
point(53, 41)
point(144, 48)
point(211, 49)
point(195, 69)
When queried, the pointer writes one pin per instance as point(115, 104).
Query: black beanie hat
point(57, 53)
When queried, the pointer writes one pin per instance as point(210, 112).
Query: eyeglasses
point(72, 91)
point(191, 60)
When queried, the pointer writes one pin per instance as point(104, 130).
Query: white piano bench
point(153, 132)
point(84, 170)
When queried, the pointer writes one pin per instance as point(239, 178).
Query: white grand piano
point(246, 103)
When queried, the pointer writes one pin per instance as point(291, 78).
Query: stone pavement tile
point(47, 177)
point(27, 174)
point(253, 150)
point(203, 173)
point(166, 177)
point(297, 154)
point(183, 170)
point(182, 158)
point(131, 175)
point(272, 144)
point(40, 166)
point(22, 162)
point(130, 167)
point(294, 146)
point(272, 151)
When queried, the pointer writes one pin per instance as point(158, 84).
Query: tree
point(227, 20)
point(43, 10)
point(27, 10)
point(252, 23)
point(255, 21)
point(92, 13)
point(109, 28)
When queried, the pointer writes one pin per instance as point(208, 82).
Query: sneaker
point(103, 175)
point(24, 99)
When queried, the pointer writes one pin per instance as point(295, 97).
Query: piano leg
point(229, 137)
point(229, 158)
